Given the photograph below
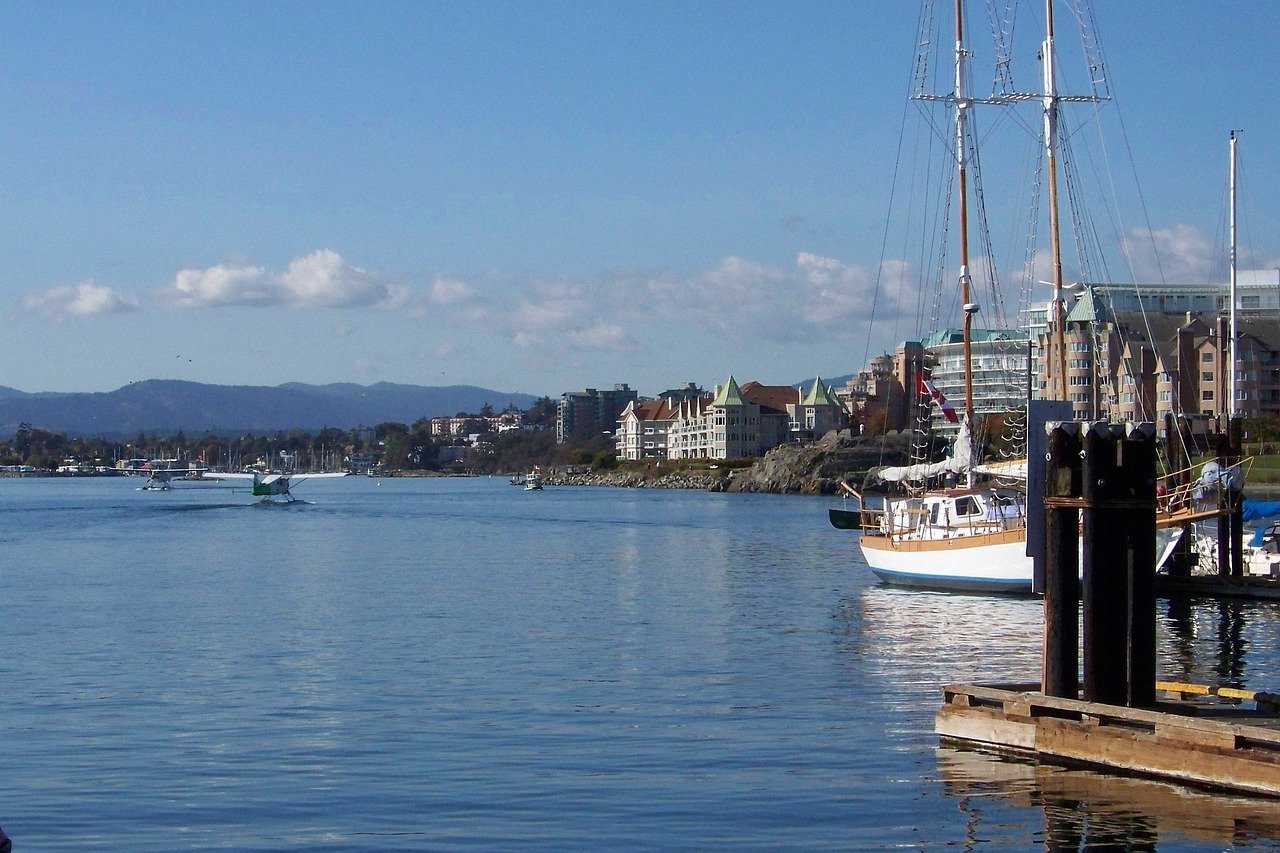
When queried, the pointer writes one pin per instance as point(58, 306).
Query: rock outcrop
point(712, 481)
point(817, 468)
point(810, 469)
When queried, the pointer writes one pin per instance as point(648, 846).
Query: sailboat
point(967, 537)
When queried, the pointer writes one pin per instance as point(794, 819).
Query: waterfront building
point(1000, 360)
point(1139, 352)
point(590, 412)
point(885, 395)
point(737, 422)
point(458, 424)
point(882, 397)
point(643, 429)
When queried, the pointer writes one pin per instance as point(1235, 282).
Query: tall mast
point(1057, 365)
point(963, 103)
point(1231, 360)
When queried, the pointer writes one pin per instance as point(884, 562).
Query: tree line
point(392, 446)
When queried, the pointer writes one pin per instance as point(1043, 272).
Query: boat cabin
point(958, 512)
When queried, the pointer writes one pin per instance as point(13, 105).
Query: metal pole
point(1232, 361)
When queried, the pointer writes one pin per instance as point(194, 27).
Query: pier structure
point(1099, 574)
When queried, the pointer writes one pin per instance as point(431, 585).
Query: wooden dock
point(1213, 738)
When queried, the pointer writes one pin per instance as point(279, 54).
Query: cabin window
point(934, 512)
point(967, 506)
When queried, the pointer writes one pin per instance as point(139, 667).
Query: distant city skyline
point(531, 196)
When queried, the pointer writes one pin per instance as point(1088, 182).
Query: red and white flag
point(924, 386)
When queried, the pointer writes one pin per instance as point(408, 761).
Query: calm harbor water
point(452, 663)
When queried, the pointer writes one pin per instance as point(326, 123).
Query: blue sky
point(526, 196)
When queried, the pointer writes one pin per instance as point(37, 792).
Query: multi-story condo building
point(1000, 360)
point(643, 429)
point(457, 425)
point(591, 412)
point(882, 397)
point(735, 422)
point(1135, 352)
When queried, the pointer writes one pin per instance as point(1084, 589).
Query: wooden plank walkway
point(1195, 735)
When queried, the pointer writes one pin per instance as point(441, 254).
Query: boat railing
point(904, 521)
point(1182, 494)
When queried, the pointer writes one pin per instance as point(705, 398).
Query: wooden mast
point(963, 103)
point(1058, 350)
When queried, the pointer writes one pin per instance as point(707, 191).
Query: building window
point(1206, 376)
point(1207, 357)
point(1206, 395)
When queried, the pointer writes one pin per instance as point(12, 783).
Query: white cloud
point(737, 299)
point(324, 280)
point(321, 279)
point(601, 336)
point(563, 316)
point(1178, 253)
point(86, 299)
point(222, 284)
point(835, 293)
point(447, 291)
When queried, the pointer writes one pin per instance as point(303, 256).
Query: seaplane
point(161, 472)
point(271, 487)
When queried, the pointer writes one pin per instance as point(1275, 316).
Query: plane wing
point(298, 478)
point(269, 478)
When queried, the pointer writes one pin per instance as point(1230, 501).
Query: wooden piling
point(1105, 588)
point(1061, 665)
point(1138, 473)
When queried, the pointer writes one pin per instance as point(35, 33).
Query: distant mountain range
point(166, 406)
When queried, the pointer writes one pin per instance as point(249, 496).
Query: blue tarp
point(1255, 511)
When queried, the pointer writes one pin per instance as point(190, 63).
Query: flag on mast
point(925, 386)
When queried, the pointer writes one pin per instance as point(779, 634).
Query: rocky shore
point(808, 469)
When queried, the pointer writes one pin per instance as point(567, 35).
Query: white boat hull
point(967, 564)
point(957, 565)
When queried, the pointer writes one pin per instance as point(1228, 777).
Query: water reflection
point(945, 637)
point(1081, 809)
point(1231, 642)
point(1221, 641)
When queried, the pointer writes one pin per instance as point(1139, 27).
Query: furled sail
point(960, 461)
